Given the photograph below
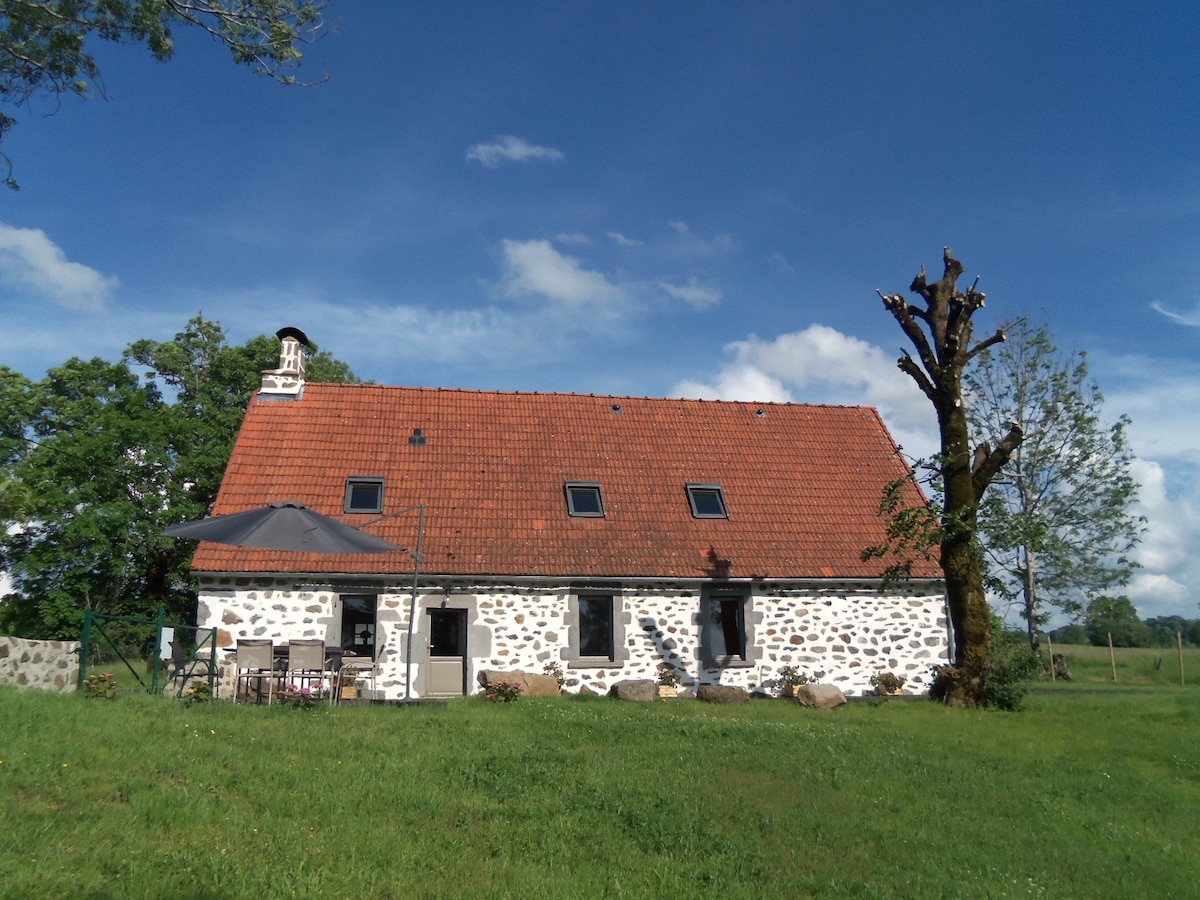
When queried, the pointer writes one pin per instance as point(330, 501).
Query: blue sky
point(648, 199)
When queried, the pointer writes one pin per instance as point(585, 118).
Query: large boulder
point(532, 685)
point(820, 696)
point(722, 693)
point(642, 690)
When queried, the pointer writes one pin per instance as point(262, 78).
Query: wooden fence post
point(1112, 657)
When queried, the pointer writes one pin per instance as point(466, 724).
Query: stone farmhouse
point(606, 535)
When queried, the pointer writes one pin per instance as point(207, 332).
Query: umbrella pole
point(412, 606)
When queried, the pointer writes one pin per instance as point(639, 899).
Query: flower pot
point(668, 690)
point(349, 692)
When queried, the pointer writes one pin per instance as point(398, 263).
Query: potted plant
point(668, 680)
point(887, 683)
point(349, 685)
point(789, 679)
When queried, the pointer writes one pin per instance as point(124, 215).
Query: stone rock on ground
point(820, 696)
point(722, 693)
point(532, 685)
point(642, 690)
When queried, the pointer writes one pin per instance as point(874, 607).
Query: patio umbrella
point(282, 526)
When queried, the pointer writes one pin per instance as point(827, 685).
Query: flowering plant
point(102, 684)
point(502, 691)
point(197, 692)
point(299, 697)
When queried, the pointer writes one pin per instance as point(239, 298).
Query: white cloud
point(622, 241)
point(508, 148)
point(699, 296)
point(1186, 318)
point(31, 261)
point(573, 238)
point(687, 242)
point(536, 268)
point(822, 365)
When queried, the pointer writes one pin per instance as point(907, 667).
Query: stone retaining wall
point(839, 634)
point(46, 665)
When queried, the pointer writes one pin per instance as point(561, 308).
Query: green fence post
point(159, 622)
point(85, 646)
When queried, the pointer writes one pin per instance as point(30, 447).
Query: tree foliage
point(104, 457)
point(1056, 524)
point(941, 332)
point(45, 44)
point(1116, 617)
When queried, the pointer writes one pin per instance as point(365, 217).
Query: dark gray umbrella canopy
point(282, 526)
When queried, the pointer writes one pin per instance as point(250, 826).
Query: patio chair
point(354, 667)
point(186, 665)
point(255, 661)
point(305, 663)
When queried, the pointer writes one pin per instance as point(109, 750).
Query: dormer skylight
point(584, 499)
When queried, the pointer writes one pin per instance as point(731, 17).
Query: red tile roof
point(802, 483)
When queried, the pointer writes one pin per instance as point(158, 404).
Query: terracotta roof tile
point(802, 483)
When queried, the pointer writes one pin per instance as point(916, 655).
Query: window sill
point(728, 662)
point(592, 662)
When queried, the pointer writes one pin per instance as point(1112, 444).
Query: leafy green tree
point(1056, 524)
point(108, 457)
point(1116, 616)
point(1070, 634)
point(941, 332)
point(44, 44)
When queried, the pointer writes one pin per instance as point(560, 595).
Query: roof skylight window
point(584, 499)
point(364, 494)
point(707, 501)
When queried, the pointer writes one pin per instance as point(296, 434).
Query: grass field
point(1085, 794)
point(1135, 665)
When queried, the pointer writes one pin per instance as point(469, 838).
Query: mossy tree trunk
point(941, 334)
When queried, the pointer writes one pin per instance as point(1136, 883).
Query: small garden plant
point(198, 692)
point(555, 671)
point(789, 679)
point(668, 675)
point(887, 682)
point(101, 685)
point(502, 691)
point(298, 697)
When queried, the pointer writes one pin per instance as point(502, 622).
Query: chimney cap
point(290, 332)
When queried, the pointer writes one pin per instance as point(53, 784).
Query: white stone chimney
point(288, 379)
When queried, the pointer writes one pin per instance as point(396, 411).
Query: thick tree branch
point(993, 462)
point(905, 364)
point(996, 338)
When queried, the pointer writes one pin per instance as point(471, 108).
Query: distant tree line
point(1117, 616)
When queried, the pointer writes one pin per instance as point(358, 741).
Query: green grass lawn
point(1135, 665)
point(1082, 795)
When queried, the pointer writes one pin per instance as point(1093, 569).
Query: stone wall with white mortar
point(840, 634)
point(45, 665)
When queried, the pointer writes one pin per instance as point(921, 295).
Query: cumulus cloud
point(537, 269)
point(30, 261)
point(508, 148)
point(822, 365)
point(694, 293)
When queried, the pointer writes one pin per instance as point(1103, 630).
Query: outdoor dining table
point(279, 660)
